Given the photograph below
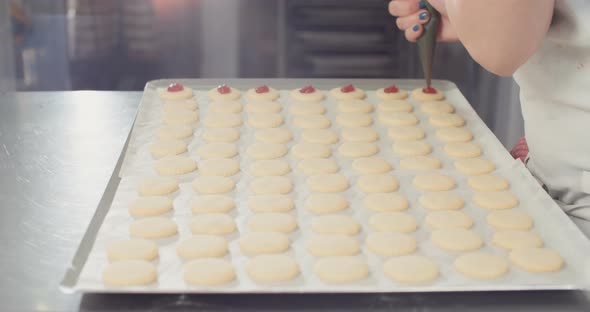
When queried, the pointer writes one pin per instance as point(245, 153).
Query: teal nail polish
point(423, 16)
point(416, 28)
point(422, 5)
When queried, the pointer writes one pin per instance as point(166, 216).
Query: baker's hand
point(412, 15)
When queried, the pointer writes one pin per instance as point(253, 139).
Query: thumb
point(439, 5)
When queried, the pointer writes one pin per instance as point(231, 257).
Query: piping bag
point(427, 44)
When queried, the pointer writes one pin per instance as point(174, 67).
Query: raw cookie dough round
point(187, 104)
point(354, 119)
point(175, 165)
point(155, 186)
point(377, 183)
point(348, 92)
point(406, 133)
point(306, 109)
point(341, 270)
point(209, 272)
point(264, 107)
point(420, 163)
point(150, 206)
point(307, 94)
point(271, 185)
point(413, 269)
point(220, 135)
point(445, 120)
point(202, 246)
point(495, 200)
point(213, 185)
point(412, 148)
point(487, 183)
point(265, 151)
point(335, 224)
point(219, 167)
point(332, 246)
point(212, 204)
point(217, 150)
point(269, 167)
point(358, 149)
point(311, 122)
point(255, 243)
point(216, 95)
point(310, 151)
point(325, 203)
point(510, 219)
point(391, 96)
point(320, 136)
point(454, 134)
point(481, 265)
point(222, 120)
point(153, 228)
point(272, 222)
point(265, 120)
point(448, 219)
point(456, 239)
point(317, 166)
point(536, 260)
point(391, 244)
point(270, 203)
point(474, 166)
point(132, 249)
point(225, 107)
point(327, 183)
point(180, 117)
point(395, 106)
point(212, 223)
point(262, 94)
point(398, 119)
point(512, 239)
point(371, 165)
point(176, 92)
point(385, 202)
point(441, 201)
point(393, 222)
point(273, 135)
point(433, 182)
point(129, 273)
point(437, 107)
point(355, 106)
point(172, 132)
point(359, 134)
point(462, 150)
point(272, 268)
point(419, 95)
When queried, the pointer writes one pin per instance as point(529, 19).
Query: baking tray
point(565, 236)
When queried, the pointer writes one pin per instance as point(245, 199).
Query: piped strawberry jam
point(429, 90)
point(175, 87)
point(391, 89)
point(262, 89)
point(307, 89)
point(223, 89)
point(347, 88)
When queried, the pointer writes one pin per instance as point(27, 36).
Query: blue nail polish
point(422, 5)
point(416, 28)
point(423, 16)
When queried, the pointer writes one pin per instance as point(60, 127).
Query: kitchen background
point(119, 45)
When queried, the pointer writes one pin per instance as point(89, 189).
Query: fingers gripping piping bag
point(427, 45)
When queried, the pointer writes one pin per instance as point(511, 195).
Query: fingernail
point(422, 5)
point(416, 28)
point(423, 16)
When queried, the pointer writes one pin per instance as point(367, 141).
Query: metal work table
point(57, 153)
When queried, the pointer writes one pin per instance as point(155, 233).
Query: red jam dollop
point(429, 90)
point(262, 89)
point(391, 89)
point(175, 87)
point(223, 89)
point(307, 89)
point(347, 88)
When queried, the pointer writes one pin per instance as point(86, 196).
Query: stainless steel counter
point(57, 153)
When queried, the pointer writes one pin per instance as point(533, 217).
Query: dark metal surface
point(57, 152)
